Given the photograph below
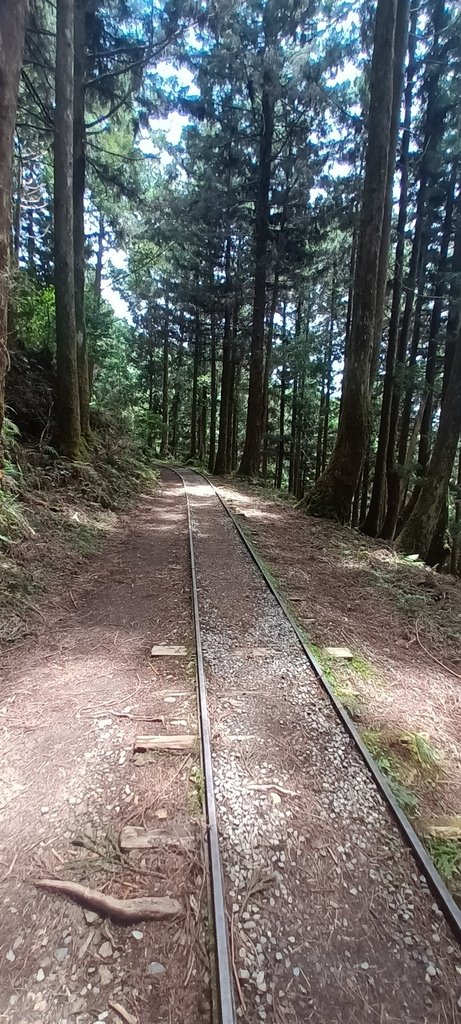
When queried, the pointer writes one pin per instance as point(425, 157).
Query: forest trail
point(72, 703)
point(330, 918)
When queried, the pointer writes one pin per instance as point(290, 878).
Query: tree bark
point(13, 15)
point(79, 174)
point(67, 398)
point(283, 386)
point(432, 132)
point(334, 491)
point(99, 256)
point(329, 367)
point(165, 379)
point(213, 395)
point(176, 404)
point(267, 369)
point(373, 519)
point(194, 404)
point(221, 455)
point(249, 465)
point(419, 530)
point(436, 317)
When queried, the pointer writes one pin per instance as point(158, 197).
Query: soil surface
point(331, 920)
point(72, 703)
point(400, 620)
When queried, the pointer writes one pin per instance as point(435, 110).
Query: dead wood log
point(164, 743)
point(142, 908)
point(134, 837)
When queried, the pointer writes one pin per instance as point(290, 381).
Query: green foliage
point(33, 312)
point(421, 749)
point(393, 768)
point(446, 854)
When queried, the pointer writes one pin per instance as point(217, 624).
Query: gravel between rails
point(331, 921)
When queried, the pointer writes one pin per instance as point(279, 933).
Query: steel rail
point(224, 982)
point(443, 897)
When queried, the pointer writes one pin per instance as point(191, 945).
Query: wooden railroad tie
point(163, 651)
point(168, 744)
point(134, 837)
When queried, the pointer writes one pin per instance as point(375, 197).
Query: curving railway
point(325, 906)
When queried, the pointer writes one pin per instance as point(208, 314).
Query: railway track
point(251, 995)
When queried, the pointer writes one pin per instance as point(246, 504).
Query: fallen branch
point(272, 785)
point(124, 1014)
point(144, 908)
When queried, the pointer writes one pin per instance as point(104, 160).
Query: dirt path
point(71, 706)
point(331, 921)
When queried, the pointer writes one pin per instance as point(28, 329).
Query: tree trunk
point(364, 489)
point(400, 49)
point(213, 395)
point(194, 405)
point(334, 491)
point(201, 424)
point(17, 212)
point(267, 370)
point(419, 530)
point(329, 367)
point(320, 422)
point(99, 256)
point(233, 386)
point(12, 30)
point(235, 416)
point(67, 398)
point(176, 404)
point(373, 519)
point(432, 133)
point(221, 459)
point(294, 416)
point(455, 551)
point(165, 379)
point(283, 385)
point(79, 172)
point(249, 465)
point(436, 316)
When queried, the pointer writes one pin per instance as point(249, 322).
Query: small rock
point(296, 972)
point(60, 954)
point(105, 975)
point(260, 981)
point(365, 965)
point(137, 935)
point(40, 974)
point(105, 950)
point(90, 916)
point(155, 968)
point(10, 956)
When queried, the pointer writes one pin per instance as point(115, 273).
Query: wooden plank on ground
point(338, 652)
point(134, 837)
point(165, 651)
point(165, 743)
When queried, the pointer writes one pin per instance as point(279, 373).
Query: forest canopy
point(235, 229)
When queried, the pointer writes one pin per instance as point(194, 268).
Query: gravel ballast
point(331, 920)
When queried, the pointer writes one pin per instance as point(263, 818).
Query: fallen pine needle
point(446, 668)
